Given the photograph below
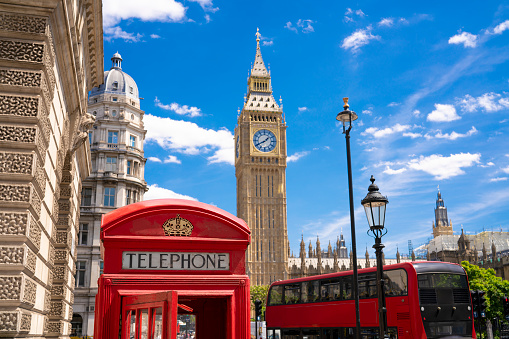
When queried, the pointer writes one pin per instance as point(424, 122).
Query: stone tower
point(260, 169)
point(441, 225)
point(117, 179)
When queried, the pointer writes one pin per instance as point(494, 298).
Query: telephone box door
point(150, 316)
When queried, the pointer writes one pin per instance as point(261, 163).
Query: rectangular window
point(268, 219)
point(83, 234)
point(81, 268)
point(292, 293)
point(112, 137)
point(135, 170)
point(310, 291)
point(135, 196)
point(276, 295)
point(129, 165)
point(273, 219)
point(256, 185)
point(331, 289)
point(86, 197)
point(127, 197)
point(346, 288)
point(109, 196)
point(111, 164)
point(115, 99)
point(132, 141)
point(396, 282)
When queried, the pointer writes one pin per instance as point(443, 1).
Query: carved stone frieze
point(65, 191)
point(41, 147)
point(57, 309)
point(13, 223)
point(19, 106)
point(55, 327)
point(31, 260)
point(11, 255)
point(45, 127)
point(35, 233)
point(35, 202)
point(26, 322)
point(20, 78)
point(17, 134)
point(22, 23)
point(64, 205)
point(56, 207)
point(10, 288)
point(61, 255)
point(29, 292)
point(8, 321)
point(64, 221)
point(72, 298)
point(21, 51)
point(40, 178)
point(51, 256)
point(47, 301)
point(60, 272)
point(86, 122)
point(16, 163)
point(58, 291)
point(14, 193)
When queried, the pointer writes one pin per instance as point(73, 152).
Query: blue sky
point(429, 82)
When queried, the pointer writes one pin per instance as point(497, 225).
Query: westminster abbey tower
point(260, 169)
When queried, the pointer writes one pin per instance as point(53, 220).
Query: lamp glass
point(375, 213)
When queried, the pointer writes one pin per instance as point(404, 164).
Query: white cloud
point(172, 160)
point(393, 104)
point(207, 18)
point(465, 38)
point(359, 38)
point(454, 135)
point(155, 36)
point(267, 43)
point(500, 28)
point(412, 135)
point(349, 13)
point(443, 113)
point(112, 33)
point(390, 171)
point(367, 111)
point(445, 167)
point(181, 110)
point(296, 156)
point(115, 11)
point(380, 133)
point(416, 113)
point(290, 27)
point(207, 5)
point(303, 109)
point(489, 102)
point(387, 22)
point(498, 179)
point(305, 26)
point(156, 192)
point(506, 170)
point(189, 138)
point(154, 159)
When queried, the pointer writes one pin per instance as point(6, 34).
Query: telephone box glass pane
point(158, 323)
point(144, 324)
point(132, 325)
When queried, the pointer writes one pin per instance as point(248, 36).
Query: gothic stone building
point(50, 57)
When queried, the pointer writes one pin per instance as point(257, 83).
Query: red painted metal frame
point(138, 227)
point(342, 313)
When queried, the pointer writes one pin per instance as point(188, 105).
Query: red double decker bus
point(423, 300)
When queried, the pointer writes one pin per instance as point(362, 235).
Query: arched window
point(115, 85)
point(76, 325)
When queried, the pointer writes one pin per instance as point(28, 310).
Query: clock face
point(264, 140)
point(237, 146)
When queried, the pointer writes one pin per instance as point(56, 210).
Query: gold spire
point(259, 68)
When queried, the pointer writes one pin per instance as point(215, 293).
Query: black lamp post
point(374, 204)
point(346, 117)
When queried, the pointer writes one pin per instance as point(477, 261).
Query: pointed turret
point(302, 248)
point(329, 251)
point(398, 256)
point(413, 255)
point(259, 69)
point(367, 258)
point(319, 256)
point(441, 225)
point(310, 254)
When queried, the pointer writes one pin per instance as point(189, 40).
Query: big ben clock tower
point(260, 165)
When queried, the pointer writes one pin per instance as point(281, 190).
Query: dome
point(117, 81)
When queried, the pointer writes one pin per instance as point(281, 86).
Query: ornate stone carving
point(35, 233)
point(86, 122)
point(21, 51)
point(16, 163)
point(18, 134)
point(72, 298)
point(19, 106)
point(58, 291)
point(61, 255)
point(26, 321)
point(65, 191)
point(11, 255)
point(29, 292)
point(55, 327)
point(57, 309)
point(40, 178)
point(10, 288)
point(22, 23)
point(45, 127)
point(20, 78)
point(13, 223)
point(14, 193)
point(8, 321)
point(31, 260)
point(35, 202)
point(47, 301)
point(56, 207)
point(60, 272)
point(64, 221)
point(64, 205)
point(51, 256)
point(41, 147)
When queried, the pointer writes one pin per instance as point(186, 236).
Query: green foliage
point(259, 293)
point(495, 288)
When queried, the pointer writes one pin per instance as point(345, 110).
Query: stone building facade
point(260, 169)
point(50, 57)
point(117, 179)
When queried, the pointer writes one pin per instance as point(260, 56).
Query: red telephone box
point(169, 257)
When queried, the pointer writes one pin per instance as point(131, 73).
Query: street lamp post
point(374, 205)
point(346, 117)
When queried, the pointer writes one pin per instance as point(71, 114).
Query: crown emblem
point(177, 226)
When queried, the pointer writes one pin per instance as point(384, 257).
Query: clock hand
point(261, 142)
